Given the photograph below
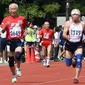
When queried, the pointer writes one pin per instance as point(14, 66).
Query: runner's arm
point(40, 33)
point(5, 24)
point(65, 31)
point(83, 27)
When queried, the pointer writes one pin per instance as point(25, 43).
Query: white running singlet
point(75, 32)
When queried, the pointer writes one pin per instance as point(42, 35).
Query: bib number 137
point(46, 35)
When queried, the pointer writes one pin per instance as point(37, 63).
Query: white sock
point(14, 76)
point(48, 61)
point(17, 69)
point(44, 62)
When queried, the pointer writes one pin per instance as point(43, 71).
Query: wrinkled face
point(76, 17)
point(47, 26)
point(13, 10)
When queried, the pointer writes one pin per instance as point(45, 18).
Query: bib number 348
point(15, 32)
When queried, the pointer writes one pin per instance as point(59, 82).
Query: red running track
point(37, 74)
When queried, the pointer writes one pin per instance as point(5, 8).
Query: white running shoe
point(14, 80)
point(1, 61)
point(5, 61)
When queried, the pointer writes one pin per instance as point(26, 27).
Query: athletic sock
point(48, 61)
point(44, 62)
point(18, 69)
point(14, 76)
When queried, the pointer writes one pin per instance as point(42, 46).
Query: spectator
point(37, 45)
point(3, 42)
point(56, 44)
point(61, 44)
point(30, 41)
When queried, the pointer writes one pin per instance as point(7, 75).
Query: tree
point(3, 5)
point(79, 4)
point(4, 1)
point(34, 10)
point(51, 8)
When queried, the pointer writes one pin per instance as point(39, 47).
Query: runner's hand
point(68, 37)
point(7, 24)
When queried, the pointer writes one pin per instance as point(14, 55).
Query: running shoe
point(5, 62)
point(75, 81)
point(44, 64)
point(47, 65)
point(14, 80)
point(1, 61)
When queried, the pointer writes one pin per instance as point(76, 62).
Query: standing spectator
point(56, 44)
point(37, 35)
point(37, 45)
point(2, 47)
point(61, 45)
point(14, 26)
point(30, 42)
point(46, 35)
point(62, 40)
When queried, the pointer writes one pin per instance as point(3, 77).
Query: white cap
point(46, 23)
point(75, 11)
point(35, 26)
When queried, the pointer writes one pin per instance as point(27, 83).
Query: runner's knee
point(43, 54)
point(78, 61)
point(11, 61)
point(68, 62)
point(18, 56)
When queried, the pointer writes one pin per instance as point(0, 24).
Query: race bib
point(15, 31)
point(76, 33)
point(46, 36)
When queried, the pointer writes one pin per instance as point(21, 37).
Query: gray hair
point(13, 4)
